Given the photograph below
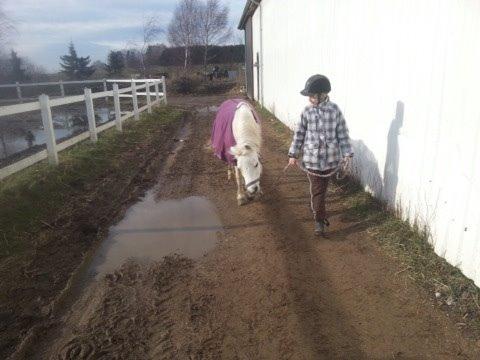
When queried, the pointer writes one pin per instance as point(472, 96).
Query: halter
point(252, 182)
point(257, 180)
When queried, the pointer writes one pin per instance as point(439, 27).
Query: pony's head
point(248, 161)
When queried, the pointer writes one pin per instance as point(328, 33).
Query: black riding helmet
point(316, 84)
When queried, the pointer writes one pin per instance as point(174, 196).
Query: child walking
point(323, 135)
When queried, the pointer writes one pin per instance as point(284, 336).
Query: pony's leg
point(241, 198)
point(229, 172)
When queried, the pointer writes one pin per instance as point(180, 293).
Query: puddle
point(153, 229)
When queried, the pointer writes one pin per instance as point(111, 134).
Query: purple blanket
point(222, 134)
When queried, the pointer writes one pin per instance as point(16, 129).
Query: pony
point(236, 139)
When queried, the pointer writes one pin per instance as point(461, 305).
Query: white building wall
point(256, 40)
point(406, 74)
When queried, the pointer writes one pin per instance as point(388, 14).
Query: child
point(323, 134)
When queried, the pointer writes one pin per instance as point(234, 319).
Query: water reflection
point(153, 229)
point(22, 137)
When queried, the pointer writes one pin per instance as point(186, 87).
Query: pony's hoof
point(242, 201)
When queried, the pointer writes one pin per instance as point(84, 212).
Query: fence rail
point(62, 84)
point(45, 104)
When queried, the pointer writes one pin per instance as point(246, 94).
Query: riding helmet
point(316, 84)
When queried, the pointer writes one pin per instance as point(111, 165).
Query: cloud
point(82, 27)
point(113, 44)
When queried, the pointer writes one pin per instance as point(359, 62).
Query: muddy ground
point(33, 281)
point(269, 289)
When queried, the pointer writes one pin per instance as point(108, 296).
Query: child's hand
point(291, 161)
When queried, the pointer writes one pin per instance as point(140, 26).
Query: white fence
point(61, 84)
point(45, 104)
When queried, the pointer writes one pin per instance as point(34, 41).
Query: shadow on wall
point(366, 169)
point(366, 165)
point(390, 174)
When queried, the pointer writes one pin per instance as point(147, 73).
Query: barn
point(406, 75)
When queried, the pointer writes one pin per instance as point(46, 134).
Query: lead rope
point(341, 170)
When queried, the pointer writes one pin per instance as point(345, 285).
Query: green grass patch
point(31, 198)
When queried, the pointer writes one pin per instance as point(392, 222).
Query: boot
point(320, 227)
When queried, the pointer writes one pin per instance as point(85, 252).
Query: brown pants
point(318, 192)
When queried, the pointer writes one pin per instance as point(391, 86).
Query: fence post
point(135, 101)
point(105, 89)
point(19, 91)
point(157, 95)
point(164, 89)
point(62, 89)
point(92, 127)
point(48, 128)
point(149, 101)
point(116, 101)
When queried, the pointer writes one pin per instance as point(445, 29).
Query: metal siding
point(405, 73)
point(249, 58)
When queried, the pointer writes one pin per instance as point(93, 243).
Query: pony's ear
point(236, 151)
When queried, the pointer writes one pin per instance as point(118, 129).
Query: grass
point(408, 245)
point(31, 198)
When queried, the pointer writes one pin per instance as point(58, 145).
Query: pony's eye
point(256, 165)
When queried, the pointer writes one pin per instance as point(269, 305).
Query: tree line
point(197, 33)
point(74, 67)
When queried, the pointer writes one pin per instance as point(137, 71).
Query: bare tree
point(34, 72)
point(214, 27)
point(184, 27)
point(150, 31)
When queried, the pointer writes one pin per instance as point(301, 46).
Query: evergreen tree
point(115, 63)
point(75, 67)
point(69, 63)
point(84, 71)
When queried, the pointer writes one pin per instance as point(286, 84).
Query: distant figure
point(29, 138)
point(216, 71)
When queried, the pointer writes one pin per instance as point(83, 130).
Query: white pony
point(236, 139)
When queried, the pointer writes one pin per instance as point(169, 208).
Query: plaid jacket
point(323, 133)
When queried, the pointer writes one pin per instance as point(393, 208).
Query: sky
point(44, 28)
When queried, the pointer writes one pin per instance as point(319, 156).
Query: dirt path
point(269, 290)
